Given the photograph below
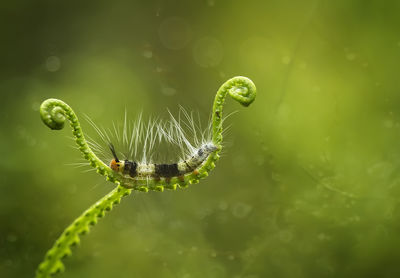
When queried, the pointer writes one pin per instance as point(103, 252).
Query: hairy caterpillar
point(135, 169)
point(138, 167)
point(139, 175)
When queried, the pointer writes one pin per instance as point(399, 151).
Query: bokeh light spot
point(174, 33)
point(53, 63)
point(168, 91)
point(208, 52)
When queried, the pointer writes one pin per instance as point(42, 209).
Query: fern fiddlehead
point(241, 89)
point(54, 113)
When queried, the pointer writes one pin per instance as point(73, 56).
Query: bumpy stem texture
point(70, 237)
point(241, 89)
point(54, 112)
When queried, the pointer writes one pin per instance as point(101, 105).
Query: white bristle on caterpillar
point(141, 143)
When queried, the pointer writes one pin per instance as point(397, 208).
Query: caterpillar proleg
point(197, 160)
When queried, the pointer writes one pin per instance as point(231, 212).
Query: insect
point(183, 135)
point(135, 169)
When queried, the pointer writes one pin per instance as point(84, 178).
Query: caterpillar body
point(141, 142)
point(137, 170)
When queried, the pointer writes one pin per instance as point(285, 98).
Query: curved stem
point(54, 112)
point(241, 89)
point(70, 237)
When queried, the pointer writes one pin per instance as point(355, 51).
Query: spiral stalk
point(54, 113)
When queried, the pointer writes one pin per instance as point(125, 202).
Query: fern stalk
point(55, 112)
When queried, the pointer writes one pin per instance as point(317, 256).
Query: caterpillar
point(135, 169)
point(149, 138)
point(138, 175)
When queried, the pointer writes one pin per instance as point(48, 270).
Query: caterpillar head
point(115, 163)
point(117, 166)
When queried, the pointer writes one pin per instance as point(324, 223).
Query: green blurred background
point(309, 183)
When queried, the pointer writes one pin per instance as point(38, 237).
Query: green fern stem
point(70, 237)
point(241, 89)
point(54, 113)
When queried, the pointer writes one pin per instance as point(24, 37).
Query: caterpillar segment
point(138, 172)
